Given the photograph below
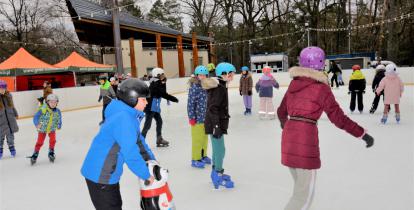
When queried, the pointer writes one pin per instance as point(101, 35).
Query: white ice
point(352, 177)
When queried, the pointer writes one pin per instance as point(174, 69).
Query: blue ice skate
point(12, 151)
point(218, 180)
point(397, 117)
point(206, 160)
point(197, 164)
point(384, 119)
point(1, 153)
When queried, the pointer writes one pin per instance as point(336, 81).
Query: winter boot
point(51, 155)
point(197, 164)
point(218, 180)
point(206, 160)
point(12, 151)
point(161, 142)
point(1, 153)
point(397, 117)
point(246, 112)
point(33, 158)
point(384, 119)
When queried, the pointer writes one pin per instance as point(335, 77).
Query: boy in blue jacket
point(119, 141)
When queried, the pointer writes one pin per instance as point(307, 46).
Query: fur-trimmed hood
point(210, 83)
point(319, 76)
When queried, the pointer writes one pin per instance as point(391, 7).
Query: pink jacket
point(393, 88)
point(308, 96)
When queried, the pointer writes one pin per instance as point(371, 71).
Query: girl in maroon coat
point(309, 95)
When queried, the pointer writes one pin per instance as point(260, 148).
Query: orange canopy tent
point(23, 71)
point(76, 60)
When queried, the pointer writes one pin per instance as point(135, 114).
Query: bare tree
point(204, 14)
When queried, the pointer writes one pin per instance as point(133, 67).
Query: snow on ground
point(351, 177)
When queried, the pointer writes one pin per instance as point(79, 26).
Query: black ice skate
point(33, 158)
point(162, 142)
point(51, 156)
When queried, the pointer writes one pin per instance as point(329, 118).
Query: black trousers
point(105, 196)
point(376, 101)
point(334, 78)
point(354, 96)
point(148, 121)
point(103, 111)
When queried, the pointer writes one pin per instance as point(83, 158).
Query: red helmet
point(356, 67)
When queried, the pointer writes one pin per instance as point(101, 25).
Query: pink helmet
point(312, 57)
point(266, 70)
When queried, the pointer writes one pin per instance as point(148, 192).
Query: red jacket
point(308, 95)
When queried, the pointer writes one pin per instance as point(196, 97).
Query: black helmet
point(102, 77)
point(131, 89)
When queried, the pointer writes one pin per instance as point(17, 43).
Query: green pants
point(219, 150)
point(200, 140)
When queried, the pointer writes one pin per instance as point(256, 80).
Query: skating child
point(47, 120)
point(8, 123)
point(107, 93)
point(158, 89)
point(245, 89)
point(356, 87)
point(196, 109)
point(217, 120)
point(117, 142)
point(393, 88)
point(334, 68)
point(265, 87)
point(307, 96)
point(379, 74)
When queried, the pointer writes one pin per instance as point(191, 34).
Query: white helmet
point(157, 71)
point(52, 97)
point(380, 67)
point(391, 68)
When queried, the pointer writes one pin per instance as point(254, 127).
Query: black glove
point(174, 99)
point(249, 92)
point(241, 93)
point(363, 92)
point(368, 139)
point(373, 90)
point(217, 133)
point(349, 92)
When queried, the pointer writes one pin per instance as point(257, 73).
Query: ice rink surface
point(351, 178)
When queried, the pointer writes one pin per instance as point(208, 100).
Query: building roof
point(76, 60)
point(22, 59)
point(84, 9)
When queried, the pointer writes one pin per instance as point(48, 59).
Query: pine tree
point(134, 10)
point(166, 14)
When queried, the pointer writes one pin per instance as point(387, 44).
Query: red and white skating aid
point(156, 196)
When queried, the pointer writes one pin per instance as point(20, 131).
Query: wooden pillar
point(195, 51)
point(181, 69)
point(159, 51)
point(212, 50)
point(134, 72)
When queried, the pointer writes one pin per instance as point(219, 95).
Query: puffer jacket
point(357, 82)
point(158, 90)
point(217, 114)
point(308, 95)
point(197, 101)
point(246, 83)
point(265, 85)
point(8, 114)
point(49, 119)
point(393, 88)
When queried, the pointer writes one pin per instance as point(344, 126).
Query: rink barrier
point(78, 98)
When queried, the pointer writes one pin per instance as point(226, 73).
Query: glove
point(192, 122)
point(363, 92)
point(349, 92)
point(217, 133)
point(373, 90)
point(282, 124)
point(249, 92)
point(368, 139)
point(174, 99)
point(241, 93)
point(99, 99)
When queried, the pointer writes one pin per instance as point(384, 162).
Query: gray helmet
point(52, 97)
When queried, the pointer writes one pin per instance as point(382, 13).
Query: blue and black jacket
point(158, 90)
point(119, 141)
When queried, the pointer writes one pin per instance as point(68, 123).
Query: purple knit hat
point(3, 84)
point(312, 57)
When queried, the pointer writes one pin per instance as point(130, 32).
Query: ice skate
point(219, 179)
point(1, 153)
point(384, 119)
point(197, 164)
point(12, 151)
point(33, 158)
point(397, 117)
point(206, 160)
point(246, 112)
point(372, 111)
point(161, 142)
point(51, 156)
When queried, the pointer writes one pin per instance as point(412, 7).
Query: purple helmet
point(312, 57)
point(3, 84)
